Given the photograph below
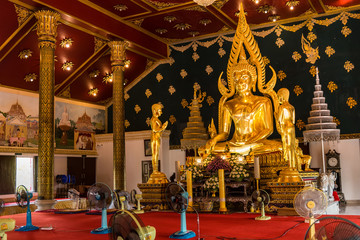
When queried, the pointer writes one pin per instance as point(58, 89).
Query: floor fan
point(23, 197)
point(261, 199)
point(310, 203)
point(6, 224)
point(126, 225)
point(100, 197)
point(177, 199)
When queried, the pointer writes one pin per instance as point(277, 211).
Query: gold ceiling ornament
point(210, 100)
point(221, 52)
point(149, 63)
point(312, 70)
point(205, 21)
point(184, 103)
point(161, 30)
point(94, 73)
point(98, 43)
point(108, 78)
point(312, 54)
point(120, 7)
point(281, 75)
point(346, 31)
point(66, 43)
point(137, 108)
point(256, 1)
point(337, 121)
point(138, 22)
point(148, 121)
point(348, 66)
point(266, 60)
point(329, 7)
point(311, 36)
point(265, 9)
point(22, 14)
point(30, 77)
point(292, 4)
point(171, 90)
point(274, 17)
point(196, 8)
point(329, 51)
point(148, 93)
point(195, 46)
point(93, 92)
point(332, 86)
point(66, 93)
point(220, 3)
point(209, 69)
point(159, 77)
point(237, 13)
point(182, 26)
point(67, 66)
point(126, 96)
point(127, 63)
point(351, 102)
point(204, 3)
point(195, 56)
point(193, 33)
point(296, 56)
point(172, 119)
point(183, 73)
point(161, 5)
point(170, 18)
point(25, 54)
point(127, 123)
point(298, 90)
point(279, 42)
point(300, 124)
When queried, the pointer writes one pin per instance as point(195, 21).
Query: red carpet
point(237, 225)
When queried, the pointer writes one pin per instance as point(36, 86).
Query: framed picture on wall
point(147, 147)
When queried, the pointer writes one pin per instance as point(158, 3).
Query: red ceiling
point(138, 22)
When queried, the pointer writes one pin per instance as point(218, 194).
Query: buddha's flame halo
point(244, 37)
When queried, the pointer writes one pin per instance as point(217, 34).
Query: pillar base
point(45, 204)
point(289, 175)
point(157, 178)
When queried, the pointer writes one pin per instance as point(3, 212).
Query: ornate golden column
point(118, 58)
point(46, 30)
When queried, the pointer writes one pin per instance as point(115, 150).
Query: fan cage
point(303, 196)
point(175, 199)
point(123, 225)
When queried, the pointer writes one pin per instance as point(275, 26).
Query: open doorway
point(25, 172)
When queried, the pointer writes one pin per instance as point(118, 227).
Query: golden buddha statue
point(301, 158)
point(156, 130)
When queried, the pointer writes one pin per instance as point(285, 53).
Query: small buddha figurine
point(301, 158)
point(157, 129)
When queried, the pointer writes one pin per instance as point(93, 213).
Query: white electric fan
point(126, 199)
point(177, 199)
point(310, 203)
point(23, 197)
point(261, 199)
point(6, 224)
point(100, 197)
point(126, 225)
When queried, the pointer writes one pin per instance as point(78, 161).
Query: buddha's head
point(156, 109)
point(283, 95)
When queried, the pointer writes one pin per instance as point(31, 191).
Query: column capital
point(47, 26)
point(118, 49)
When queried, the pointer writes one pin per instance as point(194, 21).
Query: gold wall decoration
point(337, 121)
point(300, 124)
point(312, 70)
point(344, 18)
point(30, 77)
point(183, 73)
point(311, 36)
point(148, 121)
point(266, 60)
point(351, 102)
point(66, 93)
point(120, 7)
point(195, 56)
point(209, 69)
point(138, 22)
point(281, 75)
point(172, 119)
point(126, 96)
point(296, 56)
point(171, 90)
point(348, 66)
point(137, 108)
point(332, 86)
point(159, 77)
point(221, 52)
point(329, 51)
point(298, 90)
point(126, 123)
point(346, 31)
point(279, 42)
point(22, 14)
point(182, 26)
point(210, 100)
point(310, 25)
point(148, 93)
point(184, 103)
point(311, 53)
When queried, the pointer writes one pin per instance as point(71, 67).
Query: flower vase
point(213, 194)
point(239, 179)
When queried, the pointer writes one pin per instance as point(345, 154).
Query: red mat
point(237, 225)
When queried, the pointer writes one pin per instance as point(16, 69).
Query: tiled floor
point(350, 209)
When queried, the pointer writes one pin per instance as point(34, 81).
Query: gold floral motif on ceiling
point(183, 73)
point(209, 69)
point(348, 66)
point(22, 14)
point(351, 102)
point(298, 90)
point(172, 119)
point(196, 8)
point(160, 5)
point(332, 86)
point(138, 22)
point(148, 93)
point(120, 7)
point(184, 103)
point(281, 75)
point(137, 108)
point(296, 56)
point(99, 43)
point(171, 90)
point(127, 123)
point(159, 77)
point(182, 26)
point(300, 124)
point(329, 51)
point(346, 31)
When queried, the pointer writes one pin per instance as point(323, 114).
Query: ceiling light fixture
point(94, 74)
point(161, 30)
point(120, 7)
point(67, 66)
point(169, 18)
point(66, 42)
point(265, 9)
point(182, 26)
point(25, 54)
point(205, 21)
point(204, 3)
point(292, 4)
point(127, 63)
point(274, 18)
point(193, 33)
point(30, 77)
point(256, 1)
point(108, 78)
point(93, 92)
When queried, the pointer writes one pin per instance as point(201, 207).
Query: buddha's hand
point(164, 126)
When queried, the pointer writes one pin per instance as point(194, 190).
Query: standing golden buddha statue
point(157, 129)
